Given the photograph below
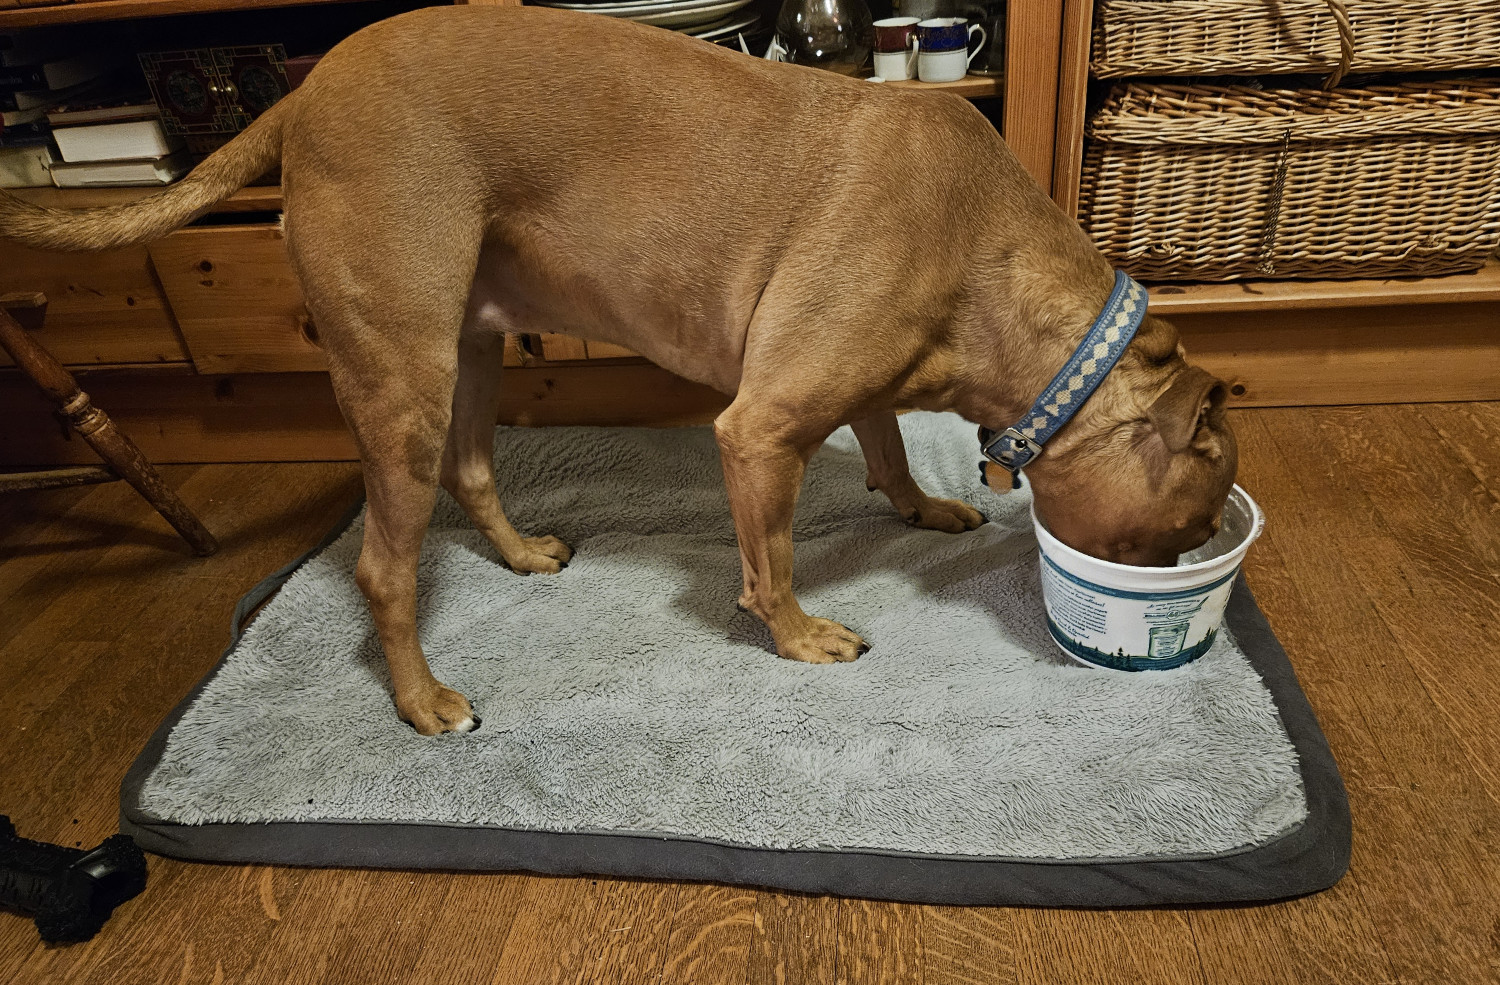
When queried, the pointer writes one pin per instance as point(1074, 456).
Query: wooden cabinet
point(204, 350)
point(103, 308)
point(237, 301)
point(240, 309)
point(563, 348)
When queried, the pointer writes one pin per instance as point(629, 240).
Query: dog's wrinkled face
point(1150, 489)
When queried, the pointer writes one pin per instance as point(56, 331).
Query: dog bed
point(637, 724)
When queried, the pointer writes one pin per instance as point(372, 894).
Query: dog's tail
point(227, 170)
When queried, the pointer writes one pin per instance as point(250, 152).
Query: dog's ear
point(1194, 399)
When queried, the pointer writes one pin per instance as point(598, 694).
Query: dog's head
point(1144, 482)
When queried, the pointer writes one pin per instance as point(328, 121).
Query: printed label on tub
point(1129, 630)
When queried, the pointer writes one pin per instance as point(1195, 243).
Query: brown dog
point(820, 248)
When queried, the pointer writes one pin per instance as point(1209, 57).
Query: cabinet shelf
point(1299, 295)
point(970, 86)
point(257, 198)
point(119, 10)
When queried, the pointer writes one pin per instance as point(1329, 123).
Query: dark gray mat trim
point(1311, 857)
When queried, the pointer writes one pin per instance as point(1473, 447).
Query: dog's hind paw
point(539, 555)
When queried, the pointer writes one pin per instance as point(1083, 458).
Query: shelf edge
point(1480, 286)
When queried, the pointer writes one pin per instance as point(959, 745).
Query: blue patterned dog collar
point(1015, 447)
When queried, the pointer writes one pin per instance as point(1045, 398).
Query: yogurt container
point(1123, 617)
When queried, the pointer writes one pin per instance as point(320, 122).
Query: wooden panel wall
point(1412, 353)
point(564, 348)
point(181, 416)
point(1072, 95)
point(102, 307)
point(1031, 60)
point(1366, 355)
point(236, 300)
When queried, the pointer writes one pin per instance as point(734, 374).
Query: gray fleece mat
point(635, 723)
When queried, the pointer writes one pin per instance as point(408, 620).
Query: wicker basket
point(1269, 37)
point(1218, 183)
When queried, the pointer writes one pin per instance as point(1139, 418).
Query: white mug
point(952, 65)
point(897, 66)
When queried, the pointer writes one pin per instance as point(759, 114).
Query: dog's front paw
point(539, 555)
point(435, 709)
point(948, 515)
point(820, 641)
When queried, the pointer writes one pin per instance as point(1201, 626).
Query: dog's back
point(643, 187)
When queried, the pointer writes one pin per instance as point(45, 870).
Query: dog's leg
point(387, 289)
point(764, 456)
point(885, 458)
point(400, 435)
point(468, 471)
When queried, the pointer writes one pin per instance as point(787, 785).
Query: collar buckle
point(1010, 448)
point(1091, 361)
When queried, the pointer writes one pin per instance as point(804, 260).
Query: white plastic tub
point(1124, 617)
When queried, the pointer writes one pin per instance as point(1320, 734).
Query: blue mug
point(943, 48)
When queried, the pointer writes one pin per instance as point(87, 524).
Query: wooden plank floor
point(1380, 570)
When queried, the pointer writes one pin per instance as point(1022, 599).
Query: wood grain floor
point(1380, 570)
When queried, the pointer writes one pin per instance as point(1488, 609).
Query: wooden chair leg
point(95, 427)
point(71, 475)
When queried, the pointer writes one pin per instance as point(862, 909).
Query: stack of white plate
point(719, 21)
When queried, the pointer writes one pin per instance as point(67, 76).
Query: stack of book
point(35, 74)
point(77, 118)
point(118, 141)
